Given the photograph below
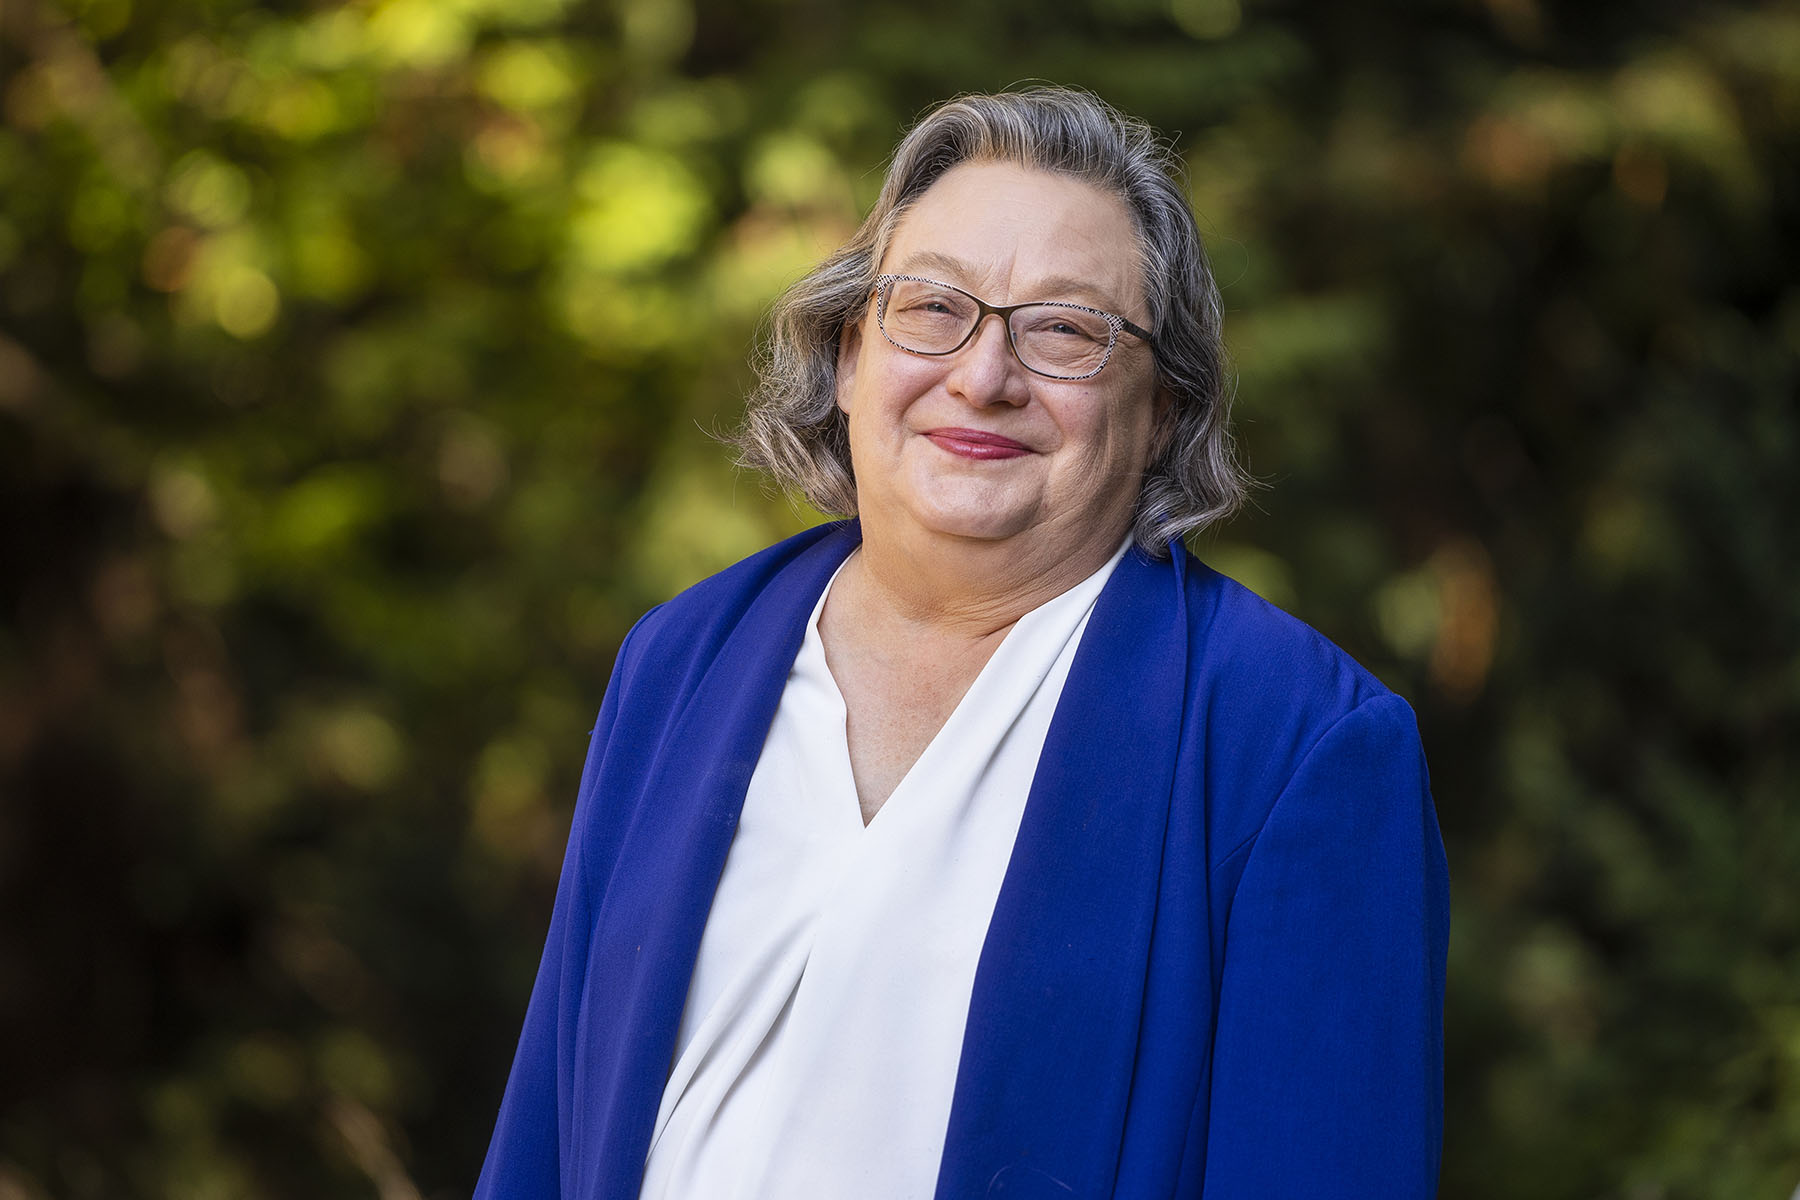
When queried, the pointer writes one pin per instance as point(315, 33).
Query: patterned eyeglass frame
point(1115, 323)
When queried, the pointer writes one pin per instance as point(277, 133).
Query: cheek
point(886, 386)
point(872, 417)
point(1121, 426)
point(1119, 447)
point(1138, 415)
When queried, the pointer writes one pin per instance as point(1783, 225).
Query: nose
point(986, 371)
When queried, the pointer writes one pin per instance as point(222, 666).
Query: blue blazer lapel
point(663, 876)
point(1047, 1057)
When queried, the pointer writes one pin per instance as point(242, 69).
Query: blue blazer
point(1216, 965)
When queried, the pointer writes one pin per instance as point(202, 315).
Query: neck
point(972, 587)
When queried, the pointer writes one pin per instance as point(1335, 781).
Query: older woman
point(988, 844)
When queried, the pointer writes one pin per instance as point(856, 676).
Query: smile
point(976, 443)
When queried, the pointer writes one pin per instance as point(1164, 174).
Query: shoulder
point(688, 628)
point(711, 644)
point(672, 644)
point(1265, 658)
point(1278, 693)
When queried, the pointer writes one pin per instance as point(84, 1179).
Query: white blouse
point(818, 1048)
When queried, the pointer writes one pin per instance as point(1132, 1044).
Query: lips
point(976, 443)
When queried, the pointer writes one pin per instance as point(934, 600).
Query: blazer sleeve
point(524, 1158)
point(1328, 1053)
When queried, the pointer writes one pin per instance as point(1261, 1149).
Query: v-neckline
point(814, 643)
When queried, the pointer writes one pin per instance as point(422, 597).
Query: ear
point(849, 350)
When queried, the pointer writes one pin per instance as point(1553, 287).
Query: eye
point(1050, 321)
point(925, 302)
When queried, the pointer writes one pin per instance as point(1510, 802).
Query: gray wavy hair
point(793, 428)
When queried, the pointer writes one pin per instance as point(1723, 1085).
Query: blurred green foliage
point(357, 365)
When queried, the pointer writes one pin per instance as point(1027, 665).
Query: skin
point(984, 490)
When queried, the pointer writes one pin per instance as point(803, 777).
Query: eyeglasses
point(1049, 338)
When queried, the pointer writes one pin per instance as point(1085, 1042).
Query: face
point(972, 444)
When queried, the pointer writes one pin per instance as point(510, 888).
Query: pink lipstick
point(976, 443)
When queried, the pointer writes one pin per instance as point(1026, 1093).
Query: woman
point(988, 844)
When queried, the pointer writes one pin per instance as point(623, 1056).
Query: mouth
point(976, 443)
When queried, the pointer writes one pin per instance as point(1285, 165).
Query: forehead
point(1016, 233)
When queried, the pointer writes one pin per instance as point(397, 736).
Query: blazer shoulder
point(1273, 688)
point(663, 663)
point(1248, 645)
point(689, 627)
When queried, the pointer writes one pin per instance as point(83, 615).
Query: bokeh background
point(359, 369)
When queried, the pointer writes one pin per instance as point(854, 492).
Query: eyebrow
point(1051, 287)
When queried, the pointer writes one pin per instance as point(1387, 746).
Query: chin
point(981, 531)
point(987, 526)
point(985, 522)
point(988, 518)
